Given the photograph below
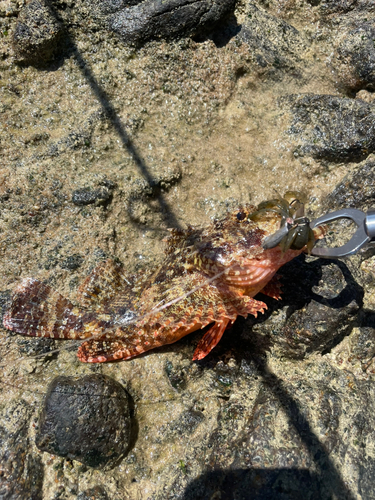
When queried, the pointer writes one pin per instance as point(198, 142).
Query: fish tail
point(37, 310)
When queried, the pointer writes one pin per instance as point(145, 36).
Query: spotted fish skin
point(209, 277)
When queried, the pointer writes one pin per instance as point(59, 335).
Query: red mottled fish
point(208, 276)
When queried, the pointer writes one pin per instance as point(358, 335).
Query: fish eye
point(241, 216)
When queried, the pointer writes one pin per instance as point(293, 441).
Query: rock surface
point(104, 147)
point(273, 43)
point(356, 190)
point(355, 57)
point(21, 469)
point(322, 301)
point(160, 19)
point(332, 128)
point(38, 35)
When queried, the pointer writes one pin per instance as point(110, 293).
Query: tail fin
point(39, 311)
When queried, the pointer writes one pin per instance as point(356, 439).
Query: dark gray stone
point(354, 60)
point(106, 7)
point(21, 471)
point(366, 478)
point(329, 7)
point(356, 190)
point(332, 128)
point(4, 303)
point(88, 196)
point(38, 34)
point(273, 43)
point(362, 342)
point(96, 493)
point(323, 322)
point(85, 419)
point(166, 19)
point(72, 262)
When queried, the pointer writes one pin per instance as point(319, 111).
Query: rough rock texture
point(356, 190)
point(21, 473)
point(354, 60)
point(171, 134)
point(96, 493)
point(87, 196)
point(273, 43)
point(38, 35)
point(328, 7)
point(156, 19)
point(321, 304)
point(332, 128)
point(85, 419)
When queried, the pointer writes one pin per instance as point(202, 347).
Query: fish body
point(209, 276)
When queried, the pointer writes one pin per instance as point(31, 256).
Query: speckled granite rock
point(329, 7)
point(332, 128)
point(21, 474)
point(96, 493)
point(86, 419)
point(38, 35)
point(273, 43)
point(354, 58)
point(356, 190)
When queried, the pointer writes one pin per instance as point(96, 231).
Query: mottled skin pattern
point(209, 276)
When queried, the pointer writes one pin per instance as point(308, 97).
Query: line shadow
point(322, 481)
point(111, 114)
point(256, 484)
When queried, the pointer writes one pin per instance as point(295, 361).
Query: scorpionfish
point(209, 276)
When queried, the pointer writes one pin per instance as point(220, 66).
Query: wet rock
point(157, 19)
point(105, 7)
point(88, 196)
point(21, 471)
point(354, 60)
point(328, 7)
point(38, 34)
point(255, 484)
point(273, 43)
point(72, 262)
point(4, 303)
point(271, 446)
point(362, 341)
point(331, 128)
point(187, 422)
point(356, 190)
point(85, 419)
point(176, 376)
point(34, 346)
point(321, 300)
point(96, 493)
point(79, 138)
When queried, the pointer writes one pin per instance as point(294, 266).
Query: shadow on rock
point(257, 484)
point(319, 307)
